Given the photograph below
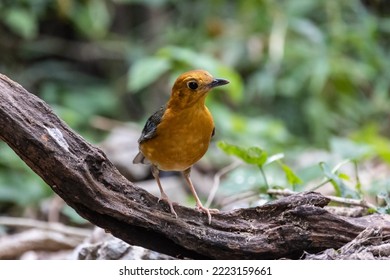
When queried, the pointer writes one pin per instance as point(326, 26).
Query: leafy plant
point(337, 180)
point(258, 157)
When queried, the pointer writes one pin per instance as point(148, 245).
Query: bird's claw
point(166, 199)
point(207, 211)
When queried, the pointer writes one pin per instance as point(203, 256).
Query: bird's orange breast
point(182, 138)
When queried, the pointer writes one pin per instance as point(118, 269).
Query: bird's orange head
point(192, 87)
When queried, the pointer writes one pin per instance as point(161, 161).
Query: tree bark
point(83, 176)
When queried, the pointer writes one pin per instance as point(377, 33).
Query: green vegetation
point(305, 76)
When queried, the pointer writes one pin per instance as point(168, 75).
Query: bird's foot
point(165, 198)
point(207, 211)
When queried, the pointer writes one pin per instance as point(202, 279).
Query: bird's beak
point(218, 82)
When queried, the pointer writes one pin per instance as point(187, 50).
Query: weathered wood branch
point(83, 176)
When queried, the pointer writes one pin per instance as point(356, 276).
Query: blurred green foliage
point(302, 73)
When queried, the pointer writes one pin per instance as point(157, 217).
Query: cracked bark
point(83, 176)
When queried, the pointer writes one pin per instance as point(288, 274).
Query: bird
point(177, 135)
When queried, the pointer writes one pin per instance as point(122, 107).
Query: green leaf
point(255, 155)
point(252, 155)
point(22, 22)
point(291, 177)
point(344, 176)
point(231, 149)
point(92, 18)
point(339, 186)
point(146, 71)
point(332, 177)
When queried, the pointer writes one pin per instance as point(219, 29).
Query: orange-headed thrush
point(178, 134)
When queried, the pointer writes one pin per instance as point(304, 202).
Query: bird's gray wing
point(149, 132)
point(150, 127)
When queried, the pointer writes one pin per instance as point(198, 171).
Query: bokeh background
point(309, 80)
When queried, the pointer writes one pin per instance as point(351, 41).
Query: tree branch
point(83, 176)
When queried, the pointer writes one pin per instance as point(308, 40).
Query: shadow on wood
point(83, 176)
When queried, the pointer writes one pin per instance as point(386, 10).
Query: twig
point(217, 179)
point(12, 246)
point(342, 200)
point(282, 192)
point(351, 201)
point(57, 227)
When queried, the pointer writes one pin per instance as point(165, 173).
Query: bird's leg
point(155, 173)
point(199, 204)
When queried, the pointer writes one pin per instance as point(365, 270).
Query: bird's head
point(192, 87)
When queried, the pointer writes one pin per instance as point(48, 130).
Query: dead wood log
point(83, 176)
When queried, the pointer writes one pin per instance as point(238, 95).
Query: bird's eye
point(192, 85)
